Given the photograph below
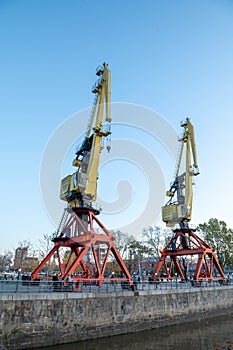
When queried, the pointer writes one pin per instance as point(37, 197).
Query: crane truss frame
point(79, 236)
point(186, 242)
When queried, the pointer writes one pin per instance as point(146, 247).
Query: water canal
point(211, 334)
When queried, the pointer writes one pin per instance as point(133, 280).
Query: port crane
point(88, 244)
point(80, 188)
point(177, 211)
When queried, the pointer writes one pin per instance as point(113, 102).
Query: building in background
point(20, 256)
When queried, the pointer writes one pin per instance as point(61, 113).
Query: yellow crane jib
point(80, 188)
point(178, 210)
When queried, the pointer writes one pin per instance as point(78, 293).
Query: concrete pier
point(35, 320)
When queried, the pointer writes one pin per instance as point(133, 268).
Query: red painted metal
point(176, 255)
point(81, 239)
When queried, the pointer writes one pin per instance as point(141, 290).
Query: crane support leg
point(81, 253)
point(41, 265)
point(184, 249)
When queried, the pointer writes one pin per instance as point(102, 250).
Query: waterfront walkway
point(48, 286)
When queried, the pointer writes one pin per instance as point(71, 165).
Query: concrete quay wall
point(35, 320)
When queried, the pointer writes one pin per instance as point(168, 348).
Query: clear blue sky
point(174, 57)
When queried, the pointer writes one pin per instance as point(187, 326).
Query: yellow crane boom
point(178, 209)
point(80, 188)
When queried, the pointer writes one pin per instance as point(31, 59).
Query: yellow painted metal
point(179, 207)
point(80, 188)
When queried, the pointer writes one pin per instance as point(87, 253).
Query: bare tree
point(155, 237)
point(44, 246)
point(5, 260)
point(25, 256)
point(122, 241)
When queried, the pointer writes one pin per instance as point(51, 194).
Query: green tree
point(220, 237)
point(138, 249)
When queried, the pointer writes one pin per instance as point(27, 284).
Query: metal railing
point(49, 286)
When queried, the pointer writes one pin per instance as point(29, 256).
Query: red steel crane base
point(172, 263)
point(80, 239)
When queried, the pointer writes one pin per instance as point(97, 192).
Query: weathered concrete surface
point(35, 320)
